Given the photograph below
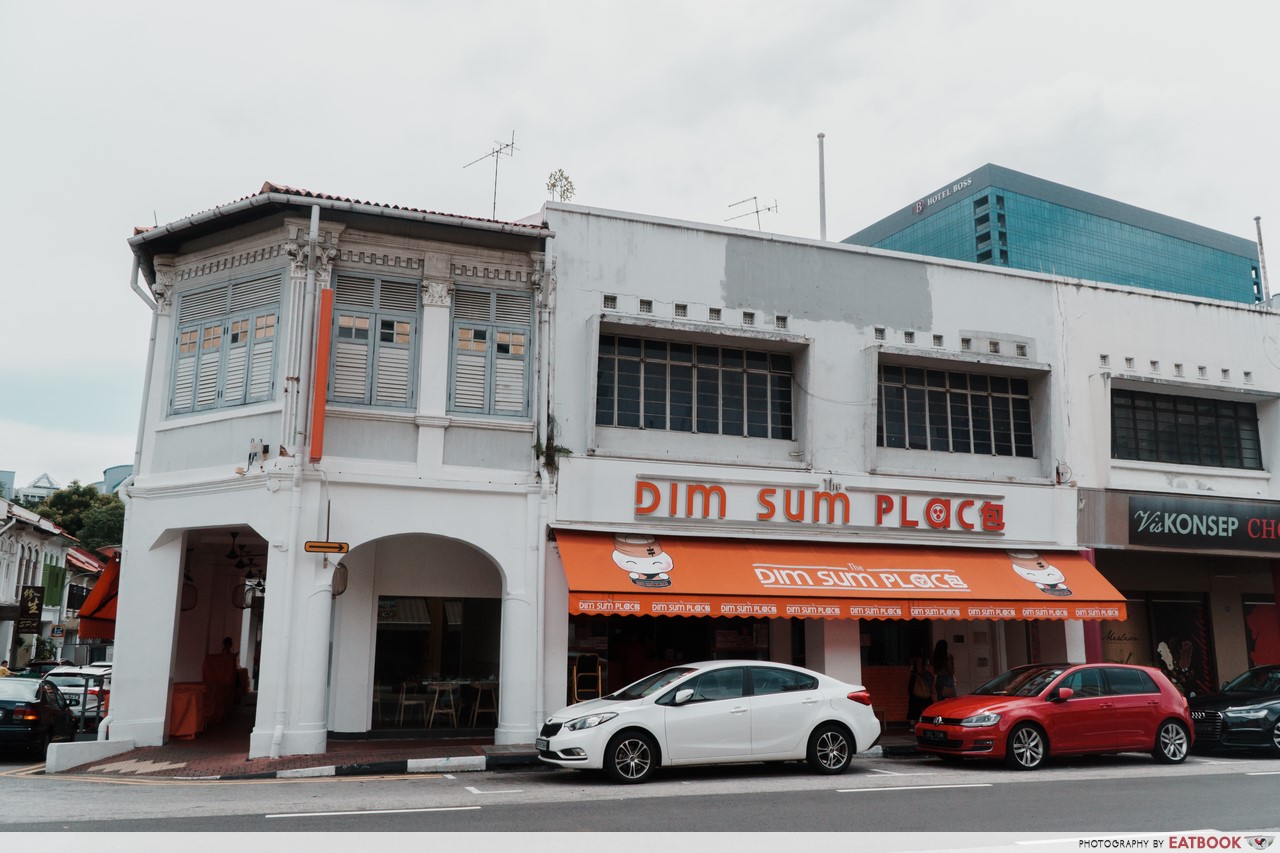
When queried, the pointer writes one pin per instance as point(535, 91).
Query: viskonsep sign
point(1191, 523)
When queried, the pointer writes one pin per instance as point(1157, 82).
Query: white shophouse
point(826, 454)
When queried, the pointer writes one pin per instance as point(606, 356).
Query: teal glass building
point(1005, 218)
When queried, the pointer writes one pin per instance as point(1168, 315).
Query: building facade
point(1000, 217)
point(555, 455)
point(33, 580)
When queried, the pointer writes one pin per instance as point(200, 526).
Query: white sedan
point(717, 712)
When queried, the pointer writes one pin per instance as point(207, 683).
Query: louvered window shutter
point(351, 350)
point(210, 359)
point(491, 352)
point(262, 360)
point(184, 370)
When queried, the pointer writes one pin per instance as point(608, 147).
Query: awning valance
point(641, 575)
point(98, 613)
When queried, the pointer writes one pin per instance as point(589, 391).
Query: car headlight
point(589, 722)
point(978, 720)
point(1245, 713)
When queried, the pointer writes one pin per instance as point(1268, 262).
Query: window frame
point(493, 328)
point(377, 377)
point(1173, 429)
point(931, 400)
point(767, 371)
point(218, 320)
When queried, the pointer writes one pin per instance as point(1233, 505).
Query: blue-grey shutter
point(184, 379)
point(261, 366)
point(473, 311)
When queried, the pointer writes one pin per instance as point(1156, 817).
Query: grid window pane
point(957, 412)
point(654, 384)
point(1184, 430)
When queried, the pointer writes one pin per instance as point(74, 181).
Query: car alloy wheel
point(829, 749)
point(1171, 743)
point(1027, 748)
point(1275, 737)
point(631, 757)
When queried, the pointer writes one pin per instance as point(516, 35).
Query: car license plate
point(933, 734)
point(542, 743)
point(73, 702)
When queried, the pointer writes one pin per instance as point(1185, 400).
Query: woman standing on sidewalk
point(919, 689)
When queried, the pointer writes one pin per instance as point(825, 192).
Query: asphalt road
point(1111, 794)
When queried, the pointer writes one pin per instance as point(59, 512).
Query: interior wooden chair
point(411, 700)
point(586, 677)
point(443, 703)
point(486, 701)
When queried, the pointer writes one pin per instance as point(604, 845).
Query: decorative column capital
point(437, 292)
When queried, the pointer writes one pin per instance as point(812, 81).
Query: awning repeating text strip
point(643, 575)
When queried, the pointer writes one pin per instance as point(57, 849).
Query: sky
point(122, 114)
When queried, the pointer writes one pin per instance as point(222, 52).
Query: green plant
point(45, 648)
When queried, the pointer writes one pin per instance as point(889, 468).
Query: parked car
point(86, 689)
point(711, 713)
point(38, 668)
point(1245, 714)
point(1030, 712)
point(33, 713)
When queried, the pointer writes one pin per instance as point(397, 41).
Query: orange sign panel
point(640, 574)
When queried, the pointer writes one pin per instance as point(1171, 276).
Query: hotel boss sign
point(1194, 523)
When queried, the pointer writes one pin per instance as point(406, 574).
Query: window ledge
point(362, 414)
point(1188, 470)
point(496, 424)
point(934, 474)
point(950, 360)
point(603, 453)
point(227, 413)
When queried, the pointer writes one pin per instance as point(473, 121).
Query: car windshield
point(1261, 680)
point(651, 684)
point(21, 689)
point(1023, 681)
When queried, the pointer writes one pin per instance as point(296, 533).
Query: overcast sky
point(130, 113)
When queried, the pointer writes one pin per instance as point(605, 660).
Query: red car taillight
point(862, 697)
point(25, 713)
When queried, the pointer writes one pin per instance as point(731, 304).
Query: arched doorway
point(433, 609)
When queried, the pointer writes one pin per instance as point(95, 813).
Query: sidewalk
point(221, 753)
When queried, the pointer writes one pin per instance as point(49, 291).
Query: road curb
point(455, 764)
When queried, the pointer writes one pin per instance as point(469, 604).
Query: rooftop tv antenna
point(502, 149)
point(757, 211)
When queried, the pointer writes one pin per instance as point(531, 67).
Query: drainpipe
point(146, 382)
point(546, 368)
point(295, 501)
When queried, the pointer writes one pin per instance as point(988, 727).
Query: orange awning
point(639, 575)
point(98, 613)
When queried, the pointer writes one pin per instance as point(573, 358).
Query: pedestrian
point(919, 689)
point(944, 671)
point(4, 669)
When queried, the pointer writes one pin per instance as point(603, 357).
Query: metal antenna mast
point(758, 209)
point(503, 148)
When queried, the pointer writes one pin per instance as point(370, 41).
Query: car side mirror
point(1224, 684)
point(1062, 694)
point(683, 696)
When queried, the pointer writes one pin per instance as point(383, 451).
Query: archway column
point(517, 687)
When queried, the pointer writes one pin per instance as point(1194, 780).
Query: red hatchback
point(1065, 709)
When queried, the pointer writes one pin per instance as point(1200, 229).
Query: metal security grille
point(944, 410)
point(1185, 430)
point(682, 387)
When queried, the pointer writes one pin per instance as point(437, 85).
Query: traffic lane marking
point(511, 791)
point(375, 811)
point(913, 788)
point(892, 773)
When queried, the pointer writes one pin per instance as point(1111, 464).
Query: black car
point(1245, 714)
point(33, 713)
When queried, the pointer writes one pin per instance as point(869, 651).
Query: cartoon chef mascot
point(1046, 576)
point(642, 558)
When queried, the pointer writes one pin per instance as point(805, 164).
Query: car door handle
point(1153, 701)
point(737, 710)
point(810, 701)
point(1106, 705)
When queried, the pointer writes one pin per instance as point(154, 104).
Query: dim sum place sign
point(828, 505)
